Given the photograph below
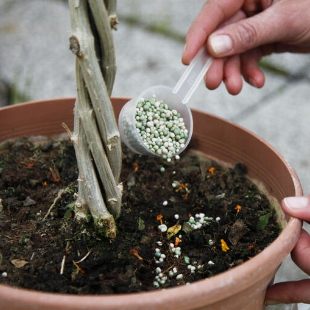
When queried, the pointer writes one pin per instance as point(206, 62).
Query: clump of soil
point(216, 219)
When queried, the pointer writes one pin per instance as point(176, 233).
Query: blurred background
point(35, 63)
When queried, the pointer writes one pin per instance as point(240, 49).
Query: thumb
point(297, 207)
point(260, 29)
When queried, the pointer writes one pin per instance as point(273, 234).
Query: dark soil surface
point(55, 253)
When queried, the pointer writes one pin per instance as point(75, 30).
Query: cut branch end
point(75, 46)
point(113, 21)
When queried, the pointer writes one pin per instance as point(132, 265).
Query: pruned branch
point(82, 37)
point(96, 137)
point(91, 192)
point(112, 192)
point(105, 38)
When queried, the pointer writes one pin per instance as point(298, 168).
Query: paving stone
point(294, 64)
point(145, 60)
point(34, 50)
point(175, 16)
point(284, 123)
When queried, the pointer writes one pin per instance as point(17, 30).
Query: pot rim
point(197, 292)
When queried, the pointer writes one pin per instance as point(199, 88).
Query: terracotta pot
point(242, 287)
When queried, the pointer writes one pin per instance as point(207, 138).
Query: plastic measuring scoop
point(176, 98)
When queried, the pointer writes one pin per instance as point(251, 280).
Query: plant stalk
point(96, 137)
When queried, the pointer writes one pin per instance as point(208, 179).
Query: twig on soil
point(54, 203)
point(66, 252)
point(82, 259)
point(78, 267)
point(63, 264)
point(166, 270)
point(32, 256)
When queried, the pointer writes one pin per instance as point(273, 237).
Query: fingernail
point(269, 302)
point(252, 82)
point(221, 44)
point(297, 202)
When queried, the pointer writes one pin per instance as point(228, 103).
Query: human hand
point(295, 291)
point(262, 27)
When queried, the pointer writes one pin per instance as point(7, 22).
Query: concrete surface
point(35, 59)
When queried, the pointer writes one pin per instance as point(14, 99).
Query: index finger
point(212, 14)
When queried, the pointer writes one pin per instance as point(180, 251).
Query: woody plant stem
point(96, 137)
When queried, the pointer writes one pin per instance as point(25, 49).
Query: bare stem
point(53, 204)
point(105, 38)
point(91, 189)
point(96, 137)
point(113, 194)
point(82, 44)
